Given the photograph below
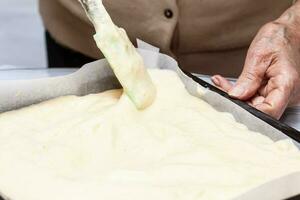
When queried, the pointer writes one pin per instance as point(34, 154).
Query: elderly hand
point(271, 76)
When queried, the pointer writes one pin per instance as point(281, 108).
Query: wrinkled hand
point(270, 79)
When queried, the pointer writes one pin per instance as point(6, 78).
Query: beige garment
point(207, 36)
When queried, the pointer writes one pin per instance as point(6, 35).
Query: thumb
point(251, 78)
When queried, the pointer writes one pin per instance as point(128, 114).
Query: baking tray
point(284, 128)
point(96, 77)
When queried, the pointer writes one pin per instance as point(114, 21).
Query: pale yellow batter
point(100, 147)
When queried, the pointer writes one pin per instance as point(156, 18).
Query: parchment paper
point(97, 77)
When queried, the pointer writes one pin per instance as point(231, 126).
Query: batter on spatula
point(122, 56)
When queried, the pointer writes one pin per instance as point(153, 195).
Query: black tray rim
point(284, 128)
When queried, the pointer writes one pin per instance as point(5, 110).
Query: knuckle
point(275, 24)
point(255, 53)
point(272, 26)
point(263, 56)
point(294, 79)
point(263, 52)
point(286, 88)
point(251, 75)
point(262, 59)
point(268, 28)
point(268, 58)
point(294, 76)
point(289, 81)
point(276, 32)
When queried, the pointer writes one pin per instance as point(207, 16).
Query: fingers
point(256, 100)
point(272, 101)
point(273, 96)
point(259, 59)
point(222, 83)
point(250, 80)
point(279, 91)
point(270, 75)
point(275, 103)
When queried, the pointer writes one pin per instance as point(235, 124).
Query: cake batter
point(101, 146)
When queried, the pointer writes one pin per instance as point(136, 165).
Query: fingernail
point(236, 91)
point(216, 81)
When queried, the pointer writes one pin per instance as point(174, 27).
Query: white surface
point(21, 34)
point(21, 73)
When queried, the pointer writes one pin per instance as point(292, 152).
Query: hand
point(270, 79)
